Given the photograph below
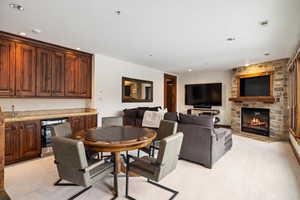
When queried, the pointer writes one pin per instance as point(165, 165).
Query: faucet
point(13, 113)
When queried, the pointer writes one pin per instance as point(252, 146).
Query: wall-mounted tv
point(203, 95)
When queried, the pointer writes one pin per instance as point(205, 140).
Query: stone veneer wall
point(278, 110)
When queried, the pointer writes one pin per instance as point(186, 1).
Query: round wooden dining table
point(116, 139)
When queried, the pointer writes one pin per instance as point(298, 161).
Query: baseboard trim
point(295, 152)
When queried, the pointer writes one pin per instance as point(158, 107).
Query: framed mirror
point(135, 90)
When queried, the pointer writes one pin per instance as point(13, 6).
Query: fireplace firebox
point(256, 120)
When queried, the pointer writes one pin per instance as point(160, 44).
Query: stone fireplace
point(256, 120)
point(270, 116)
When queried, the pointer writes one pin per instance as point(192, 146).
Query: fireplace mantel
point(267, 99)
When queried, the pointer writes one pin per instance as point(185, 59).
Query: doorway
point(170, 92)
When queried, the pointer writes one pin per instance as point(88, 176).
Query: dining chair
point(65, 130)
point(62, 130)
point(73, 166)
point(156, 169)
point(166, 128)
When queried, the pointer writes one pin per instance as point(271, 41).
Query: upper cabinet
point(30, 68)
point(7, 68)
point(78, 76)
point(58, 74)
point(44, 72)
point(25, 70)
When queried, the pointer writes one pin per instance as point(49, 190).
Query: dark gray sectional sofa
point(202, 143)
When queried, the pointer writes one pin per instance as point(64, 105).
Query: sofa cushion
point(172, 116)
point(201, 120)
point(131, 113)
point(140, 113)
point(149, 108)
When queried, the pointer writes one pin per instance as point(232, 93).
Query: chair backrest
point(168, 154)
point(62, 130)
point(112, 121)
point(166, 128)
point(70, 159)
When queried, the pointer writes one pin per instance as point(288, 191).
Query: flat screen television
point(203, 95)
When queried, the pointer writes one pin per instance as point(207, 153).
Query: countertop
point(48, 114)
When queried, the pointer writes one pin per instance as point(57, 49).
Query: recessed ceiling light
point(77, 48)
point(230, 39)
point(264, 23)
point(16, 6)
point(267, 54)
point(22, 34)
point(36, 31)
point(189, 70)
point(118, 12)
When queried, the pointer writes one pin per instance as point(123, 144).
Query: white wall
point(223, 76)
point(107, 90)
point(26, 104)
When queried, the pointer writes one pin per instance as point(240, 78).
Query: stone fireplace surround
point(278, 110)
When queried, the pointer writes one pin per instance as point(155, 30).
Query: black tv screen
point(203, 94)
point(255, 86)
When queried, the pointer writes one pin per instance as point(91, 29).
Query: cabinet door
point(25, 70)
point(30, 139)
point(58, 74)
point(7, 68)
point(12, 143)
point(90, 121)
point(84, 76)
point(77, 124)
point(71, 75)
point(44, 72)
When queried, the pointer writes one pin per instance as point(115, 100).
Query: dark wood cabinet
point(90, 121)
point(85, 76)
point(78, 78)
point(31, 68)
point(12, 143)
point(44, 72)
point(71, 76)
point(25, 70)
point(81, 123)
point(58, 74)
point(77, 124)
point(7, 68)
point(50, 73)
point(22, 141)
point(30, 139)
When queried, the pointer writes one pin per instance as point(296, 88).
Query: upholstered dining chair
point(65, 130)
point(166, 128)
point(62, 130)
point(157, 169)
point(73, 166)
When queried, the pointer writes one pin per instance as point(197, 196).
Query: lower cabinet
point(81, 123)
point(90, 121)
point(22, 141)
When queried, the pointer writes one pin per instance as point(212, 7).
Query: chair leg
point(138, 153)
point(79, 193)
point(127, 178)
point(57, 183)
point(165, 188)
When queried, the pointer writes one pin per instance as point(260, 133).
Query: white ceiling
point(180, 34)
